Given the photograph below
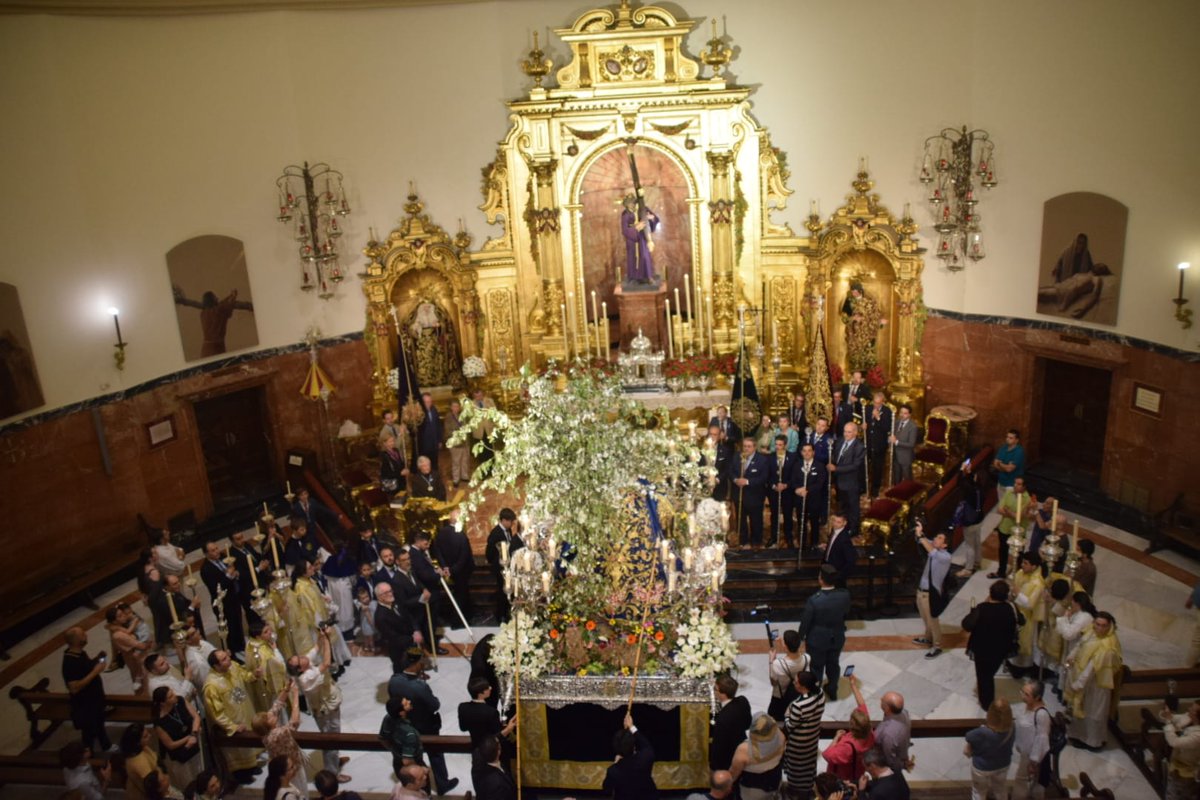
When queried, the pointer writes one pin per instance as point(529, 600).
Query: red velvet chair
point(883, 516)
point(933, 454)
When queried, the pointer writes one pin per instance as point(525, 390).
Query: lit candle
point(253, 573)
point(566, 349)
point(671, 577)
point(678, 307)
point(716, 582)
point(687, 555)
point(1075, 537)
point(691, 526)
point(289, 486)
point(664, 550)
point(691, 429)
point(504, 552)
point(604, 315)
point(174, 613)
point(266, 513)
point(116, 315)
point(507, 584)
point(1018, 515)
point(813, 209)
point(1183, 267)
point(552, 549)
point(1054, 517)
point(670, 337)
point(596, 320)
point(545, 582)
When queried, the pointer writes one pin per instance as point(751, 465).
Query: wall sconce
point(1184, 315)
point(119, 351)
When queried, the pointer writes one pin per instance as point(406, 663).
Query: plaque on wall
point(1147, 400)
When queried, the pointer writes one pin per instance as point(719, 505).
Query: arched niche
point(211, 289)
point(596, 192)
point(421, 293)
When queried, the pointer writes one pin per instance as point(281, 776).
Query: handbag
point(971, 619)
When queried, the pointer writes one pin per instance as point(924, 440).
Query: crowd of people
point(285, 646)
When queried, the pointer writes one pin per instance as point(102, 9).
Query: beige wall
point(123, 137)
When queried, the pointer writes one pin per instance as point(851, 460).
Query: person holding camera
point(932, 596)
point(782, 669)
point(81, 674)
point(311, 672)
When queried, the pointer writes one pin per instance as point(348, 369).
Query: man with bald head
point(81, 674)
point(846, 459)
point(892, 735)
point(395, 627)
point(720, 785)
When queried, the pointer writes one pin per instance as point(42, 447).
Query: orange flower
point(632, 638)
point(659, 636)
point(554, 633)
point(591, 625)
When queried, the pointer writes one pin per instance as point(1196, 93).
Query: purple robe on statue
point(638, 266)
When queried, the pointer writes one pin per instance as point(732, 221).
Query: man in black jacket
point(732, 722)
point(502, 534)
point(879, 782)
point(846, 460)
point(395, 627)
point(454, 552)
point(630, 776)
point(429, 432)
point(840, 552)
point(823, 628)
point(216, 574)
point(425, 715)
point(489, 777)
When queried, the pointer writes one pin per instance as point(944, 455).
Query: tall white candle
point(775, 333)
point(708, 301)
point(596, 321)
point(679, 313)
point(605, 353)
point(565, 330)
point(670, 338)
point(571, 310)
point(671, 578)
point(687, 293)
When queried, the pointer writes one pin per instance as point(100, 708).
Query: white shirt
point(174, 681)
point(197, 659)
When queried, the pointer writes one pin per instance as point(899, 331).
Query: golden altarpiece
point(535, 290)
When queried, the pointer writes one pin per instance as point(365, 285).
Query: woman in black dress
point(178, 729)
point(993, 626)
point(392, 468)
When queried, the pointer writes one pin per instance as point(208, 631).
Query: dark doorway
point(235, 437)
point(1074, 416)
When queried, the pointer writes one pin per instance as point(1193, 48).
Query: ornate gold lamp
point(953, 160)
point(316, 213)
point(536, 65)
point(716, 55)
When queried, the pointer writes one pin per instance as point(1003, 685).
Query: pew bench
point(54, 708)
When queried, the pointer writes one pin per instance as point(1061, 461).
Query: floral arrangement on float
point(625, 556)
point(474, 367)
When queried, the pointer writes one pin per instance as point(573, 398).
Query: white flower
point(474, 367)
point(708, 647)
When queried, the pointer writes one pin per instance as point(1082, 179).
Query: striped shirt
point(803, 726)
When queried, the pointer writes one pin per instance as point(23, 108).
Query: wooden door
point(1075, 415)
point(235, 438)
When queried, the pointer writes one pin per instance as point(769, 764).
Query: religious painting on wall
point(20, 389)
point(211, 288)
point(1083, 253)
point(614, 251)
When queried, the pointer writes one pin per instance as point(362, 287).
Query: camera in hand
point(323, 625)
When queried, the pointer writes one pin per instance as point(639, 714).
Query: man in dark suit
point(246, 558)
point(809, 496)
point(387, 571)
point(724, 454)
point(630, 776)
point(730, 432)
point(904, 442)
point(748, 474)
point(429, 574)
point(503, 533)
point(879, 430)
point(316, 515)
point(172, 592)
point(730, 726)
point(491, 780)
point(395, 627)
point(781, 466)
point(454, 553)
point(823, 628)
point(302, 544)
point(879, 781)
point(843, 412)
point(846, 461)
point(840, 552)
point(856, 390)
point(429, 432)
point(798, 413)
point(216, 574)
point(366, 549)
point(417, 600)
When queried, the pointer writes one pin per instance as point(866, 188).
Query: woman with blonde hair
point(990, 747)
point(757, 766)
point(845, 756)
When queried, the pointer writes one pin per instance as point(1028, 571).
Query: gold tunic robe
point(261, 654)
point(1030, 586)
point(227, 698)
